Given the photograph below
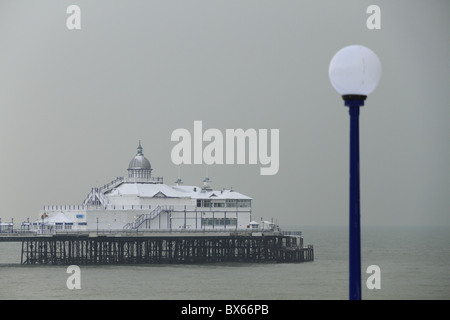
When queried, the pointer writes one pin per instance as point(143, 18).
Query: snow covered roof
point(145, 190)
point(220, 194)
point(163, 190)
point(58, 217)
point(7, 224)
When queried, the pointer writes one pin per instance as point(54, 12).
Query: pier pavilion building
point(140, 201)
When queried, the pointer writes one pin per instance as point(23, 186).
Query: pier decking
point(176, 248)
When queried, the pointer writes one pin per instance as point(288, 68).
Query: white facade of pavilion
point(143, 202)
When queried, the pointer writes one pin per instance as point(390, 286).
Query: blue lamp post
point(354, 72)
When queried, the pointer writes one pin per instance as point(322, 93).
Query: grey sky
point(75, 103)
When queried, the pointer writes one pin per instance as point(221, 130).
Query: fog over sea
point(414, 264)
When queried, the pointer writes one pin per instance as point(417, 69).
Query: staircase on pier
point(147, 217)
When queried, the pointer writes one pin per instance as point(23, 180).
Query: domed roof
point(139, 161)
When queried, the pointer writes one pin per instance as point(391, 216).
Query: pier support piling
point(84, 250)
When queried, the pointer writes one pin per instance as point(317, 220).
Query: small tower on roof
point(179, 181)
point(207, 182)
point(139, 166)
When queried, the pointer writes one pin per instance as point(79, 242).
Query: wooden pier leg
point(22, 253)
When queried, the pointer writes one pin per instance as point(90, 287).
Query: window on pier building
point(218, 222)
point(230, 203)
point(203, 203)
point(240, 203)
point(218, 204)
point(244, 203)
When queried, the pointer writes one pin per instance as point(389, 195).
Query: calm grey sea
point(414, 263)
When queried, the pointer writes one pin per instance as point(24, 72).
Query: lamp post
point(354, 72)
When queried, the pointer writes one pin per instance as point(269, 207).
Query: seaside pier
point(160, 248)
point(138, 219)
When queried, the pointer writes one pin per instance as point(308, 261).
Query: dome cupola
point(139, 166)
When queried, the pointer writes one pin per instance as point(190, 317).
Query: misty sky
point(74, 104)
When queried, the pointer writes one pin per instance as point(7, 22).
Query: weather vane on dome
point(140, 148)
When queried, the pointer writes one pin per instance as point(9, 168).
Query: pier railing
point(292, 233)
point(141, 232)
point(84, 207)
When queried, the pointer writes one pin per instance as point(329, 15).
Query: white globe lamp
point(355, 71)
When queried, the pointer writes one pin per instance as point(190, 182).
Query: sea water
point(414, 263)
